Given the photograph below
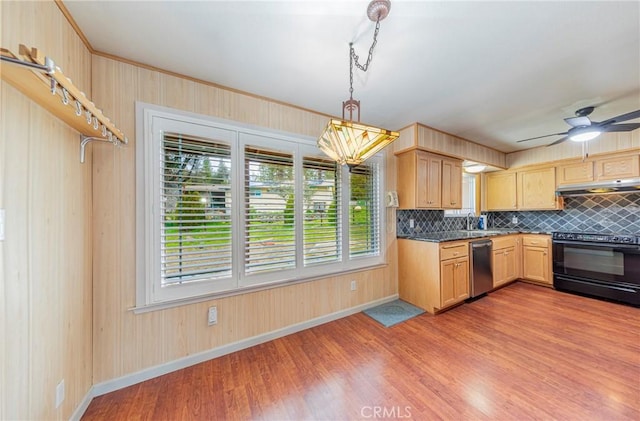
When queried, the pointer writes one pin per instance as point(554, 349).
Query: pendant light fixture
point(348, 142)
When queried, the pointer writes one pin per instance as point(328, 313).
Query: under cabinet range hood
point(629, 185)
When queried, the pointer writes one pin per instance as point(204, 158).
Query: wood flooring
point(522, 352)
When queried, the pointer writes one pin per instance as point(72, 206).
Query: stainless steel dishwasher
point(481, 276)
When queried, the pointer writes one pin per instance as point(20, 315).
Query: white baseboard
point(159, 370)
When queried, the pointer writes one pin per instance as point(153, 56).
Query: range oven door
point(606, 270)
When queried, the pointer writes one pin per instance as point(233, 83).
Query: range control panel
point(596, 238)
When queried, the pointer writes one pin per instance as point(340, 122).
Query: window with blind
point(270, 242)
point(195, 209)
point(321, 225)
point(364, 210)
point(223, 207)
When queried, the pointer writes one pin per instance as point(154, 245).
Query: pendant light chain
point(375, 41)
point(353, 57)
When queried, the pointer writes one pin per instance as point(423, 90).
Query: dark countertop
point(442, 236)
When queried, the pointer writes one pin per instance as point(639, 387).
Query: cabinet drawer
point(503, 242)
point(454, 250)
point(535, 241)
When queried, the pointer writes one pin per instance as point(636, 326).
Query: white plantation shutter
point(195, 209)
point(269, 212)
point(364, 210)
point(322, 211)
point(224, 208)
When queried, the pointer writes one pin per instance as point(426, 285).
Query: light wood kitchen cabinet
point(537, 189)
point(506, 252)
point(451, 184)
point(433, 276)
point(429, 181)
point(536, 259)
point(501, 191)
point(419, 180)
point(579, 172)
point(600, 169)
point(533, 189)
point(618, 168)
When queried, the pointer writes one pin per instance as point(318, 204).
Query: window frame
point(151, 120)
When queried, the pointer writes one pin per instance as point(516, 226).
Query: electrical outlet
point(212, 318)
point(412, 223)
point(514, 220)
point(354, 285)
point(60, 393)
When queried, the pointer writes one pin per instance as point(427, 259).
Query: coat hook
point(88, 114)
point(65, 96)
point(78, 108)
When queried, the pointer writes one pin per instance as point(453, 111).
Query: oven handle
point(599, 245)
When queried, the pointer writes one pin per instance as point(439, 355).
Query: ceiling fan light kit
point(348, 142)
point(584, 134)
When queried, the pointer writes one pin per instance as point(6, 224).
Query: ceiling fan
point(583, 129)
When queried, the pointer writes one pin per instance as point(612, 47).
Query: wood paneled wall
point(606, 143)
point(45, 260)
point(427, 138)
point(125, 342)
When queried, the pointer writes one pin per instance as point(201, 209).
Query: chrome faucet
point(469, 216)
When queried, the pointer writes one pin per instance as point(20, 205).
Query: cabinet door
point(429, 180)
point(536, 264)
point(501, 191)
point(451, 184)
point(615, 168)
point(575, 173)
point(510, 264)
point(537, 189)
point(498, 267)
point(454, 281)
point(434, 183)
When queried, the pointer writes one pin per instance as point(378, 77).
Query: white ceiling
point(491, 72)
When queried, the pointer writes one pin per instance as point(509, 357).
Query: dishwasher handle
point(478, 244)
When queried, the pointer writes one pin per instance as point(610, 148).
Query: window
point(222, 207)
point(469, 197)
point(364, 211)
point(270, 242)
point(195, 238)
point(322, 210)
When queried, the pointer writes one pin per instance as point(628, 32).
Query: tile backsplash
point(614, 213)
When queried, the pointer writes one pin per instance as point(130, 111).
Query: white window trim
point(148, 292)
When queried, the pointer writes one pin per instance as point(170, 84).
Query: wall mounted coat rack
point(41, 80)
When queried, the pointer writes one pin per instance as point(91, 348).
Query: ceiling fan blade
point(540, 137)
point(621, 127)
point(559, 141)
point(624, 117)
point(578, 121)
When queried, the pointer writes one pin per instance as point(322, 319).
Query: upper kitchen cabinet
point(578, 172)
point(501, 191)
point(531, 189)
point(537, 189)
point(451, 183)
point(618, 167)
point(419, 180)
point(429, 181)
point(599, 169)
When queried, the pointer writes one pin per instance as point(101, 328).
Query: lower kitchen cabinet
point(505, 260)
point(537, 259)
point(433, 276)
